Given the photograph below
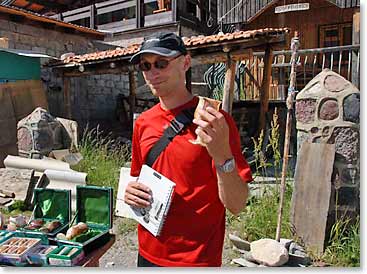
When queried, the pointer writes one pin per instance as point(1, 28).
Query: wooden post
point(265, 87)
point(355, 41)
point(288, 127)
point(229, 85)
point(189, 80)
point(132, 96)
point(67, 98)
point(140, 17)
point(92, 22)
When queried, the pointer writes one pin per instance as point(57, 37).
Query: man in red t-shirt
point(208, 178)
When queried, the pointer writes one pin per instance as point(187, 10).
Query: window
point(335, 35)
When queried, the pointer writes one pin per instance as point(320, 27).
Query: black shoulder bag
point(181, 121)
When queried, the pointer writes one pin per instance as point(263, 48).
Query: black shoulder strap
point(183, 119)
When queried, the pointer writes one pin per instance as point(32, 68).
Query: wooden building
point(328, 31)
point(123, 15)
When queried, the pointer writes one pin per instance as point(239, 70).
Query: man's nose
point(154, 71)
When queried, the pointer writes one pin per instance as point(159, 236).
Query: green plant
point(344, 244)
point(102, 158)
point(260, 159)
point(274, 143)
point(259, 219)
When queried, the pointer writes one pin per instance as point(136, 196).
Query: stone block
point(239, 243)
point(351, 108)
point(244, 262)
point(269, 252)
point(335, 83)
point(110, 84)
point(39, 50)
point(346, 142)
point(116, 77)
point(101, 83)
point(329, 109)
point(305, 110)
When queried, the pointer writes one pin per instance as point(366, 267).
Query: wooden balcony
point(121, 15)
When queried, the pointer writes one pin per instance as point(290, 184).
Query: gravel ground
point(124, 251)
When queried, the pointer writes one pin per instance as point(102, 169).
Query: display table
point(92, 258)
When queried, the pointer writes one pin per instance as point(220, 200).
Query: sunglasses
point(159, 64)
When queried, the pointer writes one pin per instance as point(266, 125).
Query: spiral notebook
point(152, 217)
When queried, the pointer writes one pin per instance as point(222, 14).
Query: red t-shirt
point(193, 232)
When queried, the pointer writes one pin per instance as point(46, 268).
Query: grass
point(344, 244)
point(102, 160)
point(259, 219)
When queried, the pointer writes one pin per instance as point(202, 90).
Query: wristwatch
point(227, 167)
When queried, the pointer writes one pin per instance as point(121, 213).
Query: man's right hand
point(137, 195)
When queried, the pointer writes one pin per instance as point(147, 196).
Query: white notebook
point(152, 217)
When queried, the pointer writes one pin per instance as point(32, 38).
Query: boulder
point(269, 252)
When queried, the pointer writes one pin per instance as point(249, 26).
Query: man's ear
point(187, 63)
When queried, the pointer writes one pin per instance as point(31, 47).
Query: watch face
point(228, 166)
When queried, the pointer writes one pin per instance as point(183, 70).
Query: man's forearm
point(233, 191)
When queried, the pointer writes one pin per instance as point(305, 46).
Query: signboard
point(292, 7)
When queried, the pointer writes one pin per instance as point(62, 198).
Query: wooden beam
point(49, 4)
point(229, 85)
point(356, 41)
point(67, 97)
point(140, 16)
point(132, 96)
point(189, 80)
point(218, 57)
point(92, 20)
point(265, 88)
point(174, 10)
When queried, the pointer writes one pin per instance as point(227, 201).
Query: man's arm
point(233, 191)
point(214, 132)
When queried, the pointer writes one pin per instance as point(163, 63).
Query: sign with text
point(292, 7)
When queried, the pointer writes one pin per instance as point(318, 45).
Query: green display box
point(51, 205)
point(94, 208)
point(4, 235)
point(65, 255)
point(38, 255)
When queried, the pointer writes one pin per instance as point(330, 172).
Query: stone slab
point(311, 194)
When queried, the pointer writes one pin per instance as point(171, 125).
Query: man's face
point(164, 81)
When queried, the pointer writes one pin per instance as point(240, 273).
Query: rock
point(239, 243)
point(244, 262)
point(286, 242)
point(294, 247)
point(248, 256)
point(269, 252)
point(297, 260)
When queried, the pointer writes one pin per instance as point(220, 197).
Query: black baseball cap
point(166, 44)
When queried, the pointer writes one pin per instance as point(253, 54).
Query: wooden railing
point(89, 15)
point(344, 60)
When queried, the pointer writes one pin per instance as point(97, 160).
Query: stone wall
point(327, 111)
point(93, 98)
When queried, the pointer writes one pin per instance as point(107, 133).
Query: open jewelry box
point(94, 208)
point(51, 213)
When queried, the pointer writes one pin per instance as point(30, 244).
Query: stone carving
point(327, 111)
